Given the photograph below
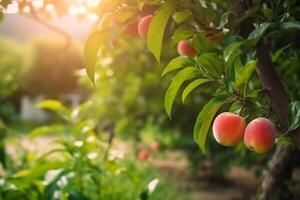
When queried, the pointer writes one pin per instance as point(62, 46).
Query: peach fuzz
point(184, 48)
point(260, 135)
point(228, 129)
point(144, 25)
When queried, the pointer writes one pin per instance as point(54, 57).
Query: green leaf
point(211, 63)
point(176, 83)
point(46, 130)
point(74, 195)
point(258, 32)
point(24, 178)
point(201, 43)
point(231, 52)
point(53, 105)
point(91, 48)
point(191, 87)
point(246, 73)
point(204, 120)
point(294, 115)
point(180, 17)
point(177, 63)
point(157, 29)
point(52, 186)
point(56, 107)
point(292, 25)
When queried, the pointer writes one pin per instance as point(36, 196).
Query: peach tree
point(246, 51)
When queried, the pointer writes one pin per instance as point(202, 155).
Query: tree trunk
point(274, 185)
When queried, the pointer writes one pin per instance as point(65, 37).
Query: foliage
point(52, 63)
point(228, 65)
point(82, 165)
point(14, 66)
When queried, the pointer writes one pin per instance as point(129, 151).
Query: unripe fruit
point(143, 155)
point(228, 129)
point(144, 25)
point(184, 48)
point(260, 135)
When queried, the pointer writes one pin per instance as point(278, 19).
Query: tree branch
point(64, 34)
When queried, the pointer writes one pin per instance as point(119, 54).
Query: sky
point(21, 28)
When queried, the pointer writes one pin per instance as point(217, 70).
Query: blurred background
point(62, 137)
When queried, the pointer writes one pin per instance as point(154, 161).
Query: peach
point(131, 30)
point(228, 129)
point(144, 25)
point(260, 135)
point(148, 10)
point(155, 146)
point(184, 48)
point(143, 155)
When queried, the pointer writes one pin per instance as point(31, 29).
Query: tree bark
point(274, 184)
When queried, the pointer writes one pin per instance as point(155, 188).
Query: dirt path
point(239, 184)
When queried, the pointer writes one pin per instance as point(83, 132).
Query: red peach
point(185, 48)
point(155, 146)
point(148, 10)
point(131, 30)
point(144, 25)
point(228, 129)
point(143, 155)
point(260, 135)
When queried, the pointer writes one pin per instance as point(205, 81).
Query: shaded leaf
point(246, 73)
point(201, 43)
point(204, 120)
point(191, 87)
point(294, 115)
point(211, 63)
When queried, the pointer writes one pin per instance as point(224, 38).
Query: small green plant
point(82, 164)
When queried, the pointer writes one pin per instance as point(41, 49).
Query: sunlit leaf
point(191, 87)
point(204, 120)
point(91, 48)
point(157, 29)
point(55, 106)
point(176, 83)
point(180, 17)
point(177, 63)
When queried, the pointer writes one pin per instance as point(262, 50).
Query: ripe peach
point(143, 155)
point(260, 135)
point(131, 30)
point(144, 25)
point(185, 48)
point(148, 10)
point(228, 129)
point(155, 146)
